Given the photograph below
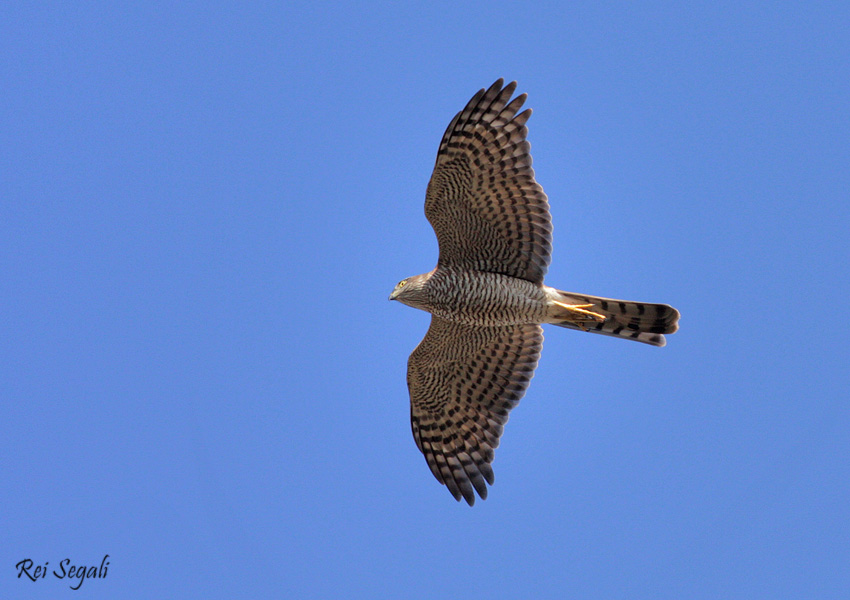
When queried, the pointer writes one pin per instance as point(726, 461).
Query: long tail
point(630, 320)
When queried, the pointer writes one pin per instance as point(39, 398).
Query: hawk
point(486, 295)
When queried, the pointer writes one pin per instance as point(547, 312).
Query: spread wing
point(463, 381)
point(482, 201)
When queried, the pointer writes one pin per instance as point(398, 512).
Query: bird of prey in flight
point(486, 295)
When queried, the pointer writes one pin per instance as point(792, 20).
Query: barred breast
point(485, 299)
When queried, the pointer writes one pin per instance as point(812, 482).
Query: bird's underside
point(487, 296)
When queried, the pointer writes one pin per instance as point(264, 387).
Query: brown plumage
point(487, 296)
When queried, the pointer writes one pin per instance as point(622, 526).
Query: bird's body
point(484, 299)
point(487, 297)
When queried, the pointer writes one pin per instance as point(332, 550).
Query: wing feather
point(488, 212)
point(463, 382)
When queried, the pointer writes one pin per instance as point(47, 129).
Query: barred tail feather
point(637, 321)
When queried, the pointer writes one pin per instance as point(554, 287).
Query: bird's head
point(412, 291)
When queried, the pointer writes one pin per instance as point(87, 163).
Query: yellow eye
point(402, 283)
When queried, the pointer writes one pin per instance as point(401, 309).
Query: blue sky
point(204, 207)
